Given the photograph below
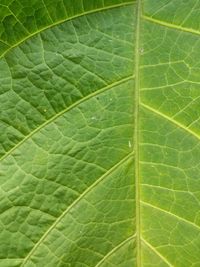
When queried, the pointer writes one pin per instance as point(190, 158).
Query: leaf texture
point(100, 135)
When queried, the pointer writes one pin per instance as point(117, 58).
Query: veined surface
point(100, 133)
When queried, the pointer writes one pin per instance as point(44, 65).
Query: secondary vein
point(176, 123)
point(52, 119)
point(156, 252)
point(123, 243)
point(64, 20)
point(65, 212)
point(170, 25)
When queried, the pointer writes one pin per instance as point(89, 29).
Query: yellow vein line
point(171, 120)
point(171, 214)
point(136, 133)
point(169, 25)
point(66, 110)
point(113, 168)
point(115, 249)
point(156, 252)
point(64, 20)
point(166, 188)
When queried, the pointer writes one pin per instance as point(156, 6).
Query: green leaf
point(99, 133)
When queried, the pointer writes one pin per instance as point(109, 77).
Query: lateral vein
point(115, 249)
point(113, 168)
point(170, 25)
point(64, 111)
point(156, 252)
point(171, 120)
point(171, 214)
point(64, 20)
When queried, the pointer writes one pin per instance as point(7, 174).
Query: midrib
point(136, 133)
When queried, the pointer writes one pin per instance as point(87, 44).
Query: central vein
point(136, 134)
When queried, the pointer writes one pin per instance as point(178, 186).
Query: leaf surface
point(100, 133)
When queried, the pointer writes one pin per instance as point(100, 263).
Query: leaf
point(100, 133)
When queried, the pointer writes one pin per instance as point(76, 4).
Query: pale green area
point(170, 133)
point(84, 182)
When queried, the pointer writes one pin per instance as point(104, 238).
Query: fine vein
point(62, 21)
point(64, 111)
point(74, 204)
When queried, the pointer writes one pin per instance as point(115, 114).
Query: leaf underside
point(99, 133)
